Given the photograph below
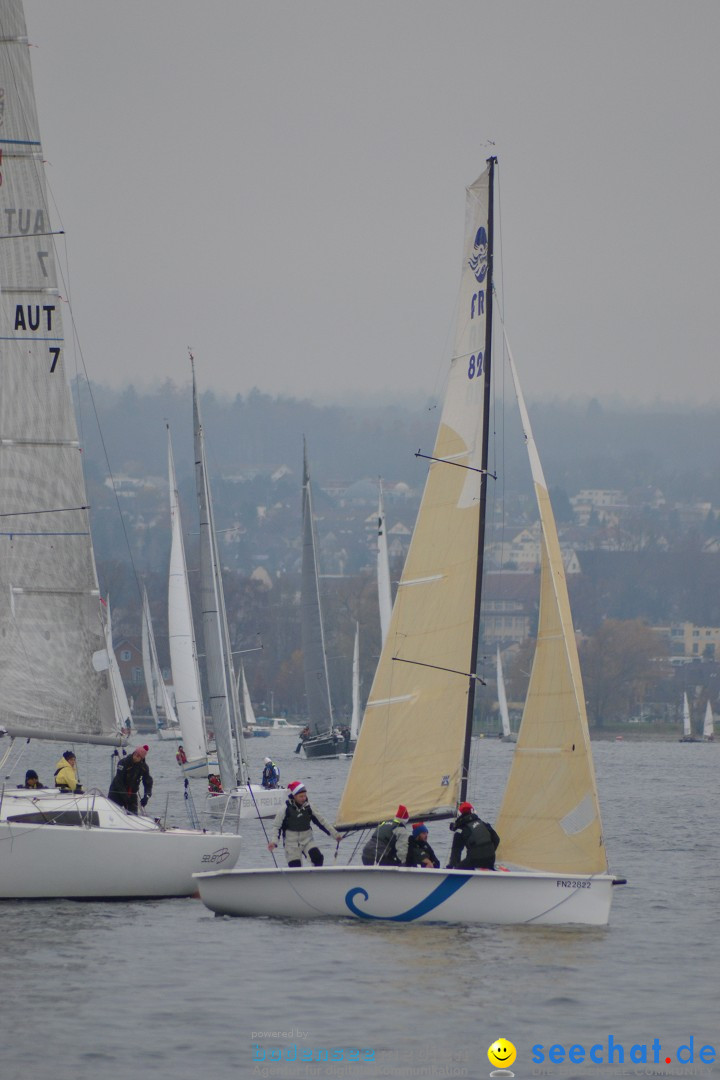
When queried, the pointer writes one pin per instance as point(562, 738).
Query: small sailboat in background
point(322, 742)
point(507, 735)
point(708, 724)
point(414, 743)
point(251, 728)
point(183, 650)
point(687, 735)
point(166, 722)
point(123, 714)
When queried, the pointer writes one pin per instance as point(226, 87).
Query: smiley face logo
point(502, 1053)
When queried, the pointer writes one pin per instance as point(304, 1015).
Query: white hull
point(199, 769)
point(169, 735)
point(262, 802)
point(123, 857)
point(410, 895)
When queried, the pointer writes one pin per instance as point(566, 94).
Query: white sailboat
point(123, 715)
point(322, 742)
point(251, 728)
point(183, 649)
point(414, 743)
point(55, 680)
point(507, 735)
point(708, 724)
point(383, 571)
point(687, 735)
point(166, 722)
point(238, 796)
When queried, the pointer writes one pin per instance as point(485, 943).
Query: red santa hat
point(465, 808)
point(296, 787)
point(402, 813)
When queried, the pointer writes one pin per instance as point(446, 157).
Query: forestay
point(410, 747)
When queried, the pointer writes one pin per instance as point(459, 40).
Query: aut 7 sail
point(550, 815)
point(53, 661)
point(413, 741)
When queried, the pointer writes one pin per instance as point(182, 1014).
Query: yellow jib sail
point(411, 740)
point(550, 816)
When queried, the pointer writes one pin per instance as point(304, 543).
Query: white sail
point(53, 681)
point(550, 814)
point(687, 726)
point(150, 675)
point(157, 691)
point(383, 572)
point(419, 696)
point(123, 716)
point(183, 653)
point(355, 719)
point(224, 703)
point(708, 723)
point(248, 711)
point(502, 697)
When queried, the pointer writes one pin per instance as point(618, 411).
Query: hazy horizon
point(281, 188)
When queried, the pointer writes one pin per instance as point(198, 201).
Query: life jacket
point(381, 847)
point(297, 818)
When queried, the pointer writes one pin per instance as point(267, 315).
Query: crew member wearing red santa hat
point(293, 822)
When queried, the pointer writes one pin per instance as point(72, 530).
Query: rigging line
point(31, 236)
point(59, 510)
point(459, 465)
point(436, 667)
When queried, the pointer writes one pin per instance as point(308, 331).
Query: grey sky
point(281, 186)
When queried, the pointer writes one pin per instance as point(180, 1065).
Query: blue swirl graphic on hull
point(438, 896)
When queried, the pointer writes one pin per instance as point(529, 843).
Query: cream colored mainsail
point(550, 816)
point(411, 741)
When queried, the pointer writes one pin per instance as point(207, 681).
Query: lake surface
point(166, 990)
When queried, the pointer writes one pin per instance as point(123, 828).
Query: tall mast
point(491, 162)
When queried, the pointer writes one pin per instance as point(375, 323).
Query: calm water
point(165, 989)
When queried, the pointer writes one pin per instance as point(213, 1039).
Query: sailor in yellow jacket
point(66, 773)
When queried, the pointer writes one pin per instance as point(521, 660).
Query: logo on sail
point(478, 260)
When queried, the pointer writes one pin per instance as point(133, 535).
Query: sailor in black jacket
point(293, 822)
point(419, 851)
point(125, 785)
point(476, 837)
